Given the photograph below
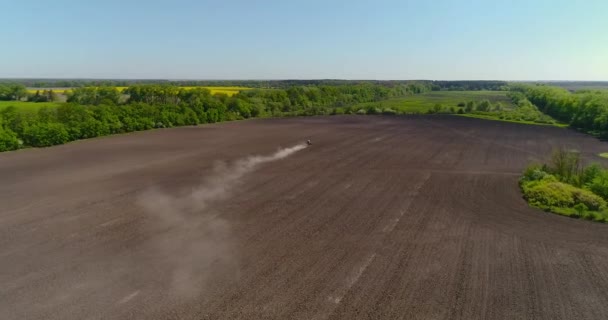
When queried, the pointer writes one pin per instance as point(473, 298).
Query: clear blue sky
point(272, 39)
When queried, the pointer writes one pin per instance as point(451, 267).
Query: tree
point(437, 108)
point(36, 97)
point(239, 107)
point(599, 184)
point(470, 106)
point(484, 105)
point(18, 92)
point(51, 95)
point(566, 165)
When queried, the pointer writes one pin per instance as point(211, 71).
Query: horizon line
point(283, 79)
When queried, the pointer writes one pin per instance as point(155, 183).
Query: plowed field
point(381, 218)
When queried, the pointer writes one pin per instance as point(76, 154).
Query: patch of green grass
point(501, 107)
point(28, 106)
point(422, 103)
point(603, 154)
point(496, 118)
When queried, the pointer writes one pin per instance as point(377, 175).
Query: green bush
point(588, 198)
point(590, 173)
point(373, 110)
point(534, 172)
point(8, 140)
point(46, 134)
point(544, 191)
point(568, 212)
point(389, 111)
point(599, 184)
point(549, 194)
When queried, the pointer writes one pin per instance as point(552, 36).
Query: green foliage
point(46, 134)
point(470, 106)
point(12, 91)
point(534, 172)
point(567, 166)
point(437, 108)
point(426, 102)
point(8, 140)
point(484, 105)
point(94, 95)
point(97, 109)
point(585, 110)
point(588, 198)
point(599, 183)
point(590, 173)
point(554, 192)
point(44, 96)
point(547, 194)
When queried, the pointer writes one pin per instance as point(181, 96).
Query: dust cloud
point(197, 244)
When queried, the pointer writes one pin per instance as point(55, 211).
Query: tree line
point(277, 84)
point(12, 91)
point(586, 110)
point(99, 111)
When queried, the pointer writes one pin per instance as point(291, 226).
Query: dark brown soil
point(381, 218)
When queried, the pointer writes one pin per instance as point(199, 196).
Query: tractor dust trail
point(198, 246)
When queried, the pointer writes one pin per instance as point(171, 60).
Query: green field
point(27, 106)
point(422, 103)
point(495, 117)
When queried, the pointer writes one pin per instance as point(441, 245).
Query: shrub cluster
point(566, 187)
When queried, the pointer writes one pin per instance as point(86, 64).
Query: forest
point(585, 110)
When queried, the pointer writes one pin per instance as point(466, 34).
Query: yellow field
point(230, 91)
point(56, 90)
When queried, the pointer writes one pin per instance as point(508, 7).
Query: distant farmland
point(27, 106)
point(230, 91)
point(422, 103)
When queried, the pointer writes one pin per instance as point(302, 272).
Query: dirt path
point(381, 218)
